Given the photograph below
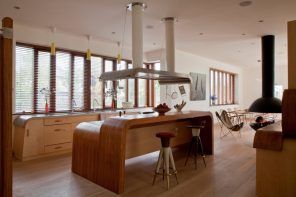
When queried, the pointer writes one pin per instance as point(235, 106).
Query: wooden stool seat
point(165, 158)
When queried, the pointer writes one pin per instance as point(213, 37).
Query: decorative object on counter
point(213, 99)
point(172, 95)
point(179, 107)
point(46, 92)
point(182, 90)
point(162, 109)
point(197, 87)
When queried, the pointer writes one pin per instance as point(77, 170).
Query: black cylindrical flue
point(268, 66)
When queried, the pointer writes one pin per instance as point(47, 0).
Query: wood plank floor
point(230, 172)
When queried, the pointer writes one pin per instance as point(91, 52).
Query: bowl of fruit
point(162, 109)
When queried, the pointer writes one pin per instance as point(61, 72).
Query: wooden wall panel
point(292, 54)
point(6, 108)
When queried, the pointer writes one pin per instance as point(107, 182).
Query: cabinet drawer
point(57, 147)
point(56, 121)
point(57, 134)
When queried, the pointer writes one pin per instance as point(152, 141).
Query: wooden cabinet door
point(33, 138)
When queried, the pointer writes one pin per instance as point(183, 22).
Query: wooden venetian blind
point(96, 86)
point(63, 81)
point(78, 82)
point(24, 77)
point(42, 77)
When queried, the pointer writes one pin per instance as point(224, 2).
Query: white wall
point(186, 63)
point(252, 86)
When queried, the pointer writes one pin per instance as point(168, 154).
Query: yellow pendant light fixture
point(52, 44)
point(119, 53)
point(88, 52)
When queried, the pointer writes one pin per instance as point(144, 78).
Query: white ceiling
point(221, 22)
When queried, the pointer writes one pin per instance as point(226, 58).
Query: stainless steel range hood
point(164, 77)
point(138, 72)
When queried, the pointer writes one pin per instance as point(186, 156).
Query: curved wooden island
point(101, 147)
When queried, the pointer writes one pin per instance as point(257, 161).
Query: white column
point(170, 43)
point(137, 34)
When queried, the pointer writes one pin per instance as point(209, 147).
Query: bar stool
point(166, 158)
point(195, 142)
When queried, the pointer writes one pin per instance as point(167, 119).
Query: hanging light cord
point(123, 34)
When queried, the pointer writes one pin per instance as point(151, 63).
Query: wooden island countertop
point(101, 148)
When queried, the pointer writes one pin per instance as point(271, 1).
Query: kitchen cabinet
point(43, 136)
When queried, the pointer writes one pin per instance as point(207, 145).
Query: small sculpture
point(179, 107)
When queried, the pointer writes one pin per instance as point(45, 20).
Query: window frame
point(222, 86)
point(87, 74)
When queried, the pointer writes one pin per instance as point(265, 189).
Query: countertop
point(21, 120)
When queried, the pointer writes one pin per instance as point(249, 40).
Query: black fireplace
point(267, 103)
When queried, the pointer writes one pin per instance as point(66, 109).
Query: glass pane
point(96, 86)
point(156, 87)
point(142, 89)
point(43, 80)
point(109, 91)
point(78, 82)
point(63, 81)
point(121, 86)
point(24, 77)
point(131, 88)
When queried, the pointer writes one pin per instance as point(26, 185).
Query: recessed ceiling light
point(201, 33)
point(113, 32)
point(243, 34)
point(252, 43)
point(260, 21)
point(238, 51)
point(17, 7)
point(258, 60)
point(149, 26)
point(154, 43)
point(245, 3)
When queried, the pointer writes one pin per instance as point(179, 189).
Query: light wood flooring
point(230, 172)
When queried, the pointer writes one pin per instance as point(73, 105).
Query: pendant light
point(52, 44)
point(88, 52)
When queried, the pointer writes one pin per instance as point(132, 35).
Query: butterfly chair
point(233, 124)
point(220, 124)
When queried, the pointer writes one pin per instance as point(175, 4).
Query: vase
point(46, 107)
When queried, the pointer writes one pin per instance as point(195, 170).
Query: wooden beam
point(6, 108)
point(292, 54)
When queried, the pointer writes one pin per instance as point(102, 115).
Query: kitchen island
point(101, 147)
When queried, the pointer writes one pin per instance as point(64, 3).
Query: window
point(109, 91)
point(156, 87)
point(222, 85)
point(24, 76)
point(67, 76)
point(78, 81)
point(121, 86)
point(131, 88)
point(96, 85)
point(43, 70)
point(63, 81)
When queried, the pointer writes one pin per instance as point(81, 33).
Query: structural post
point(6, 108)
point(170, 43)
point(137, 33)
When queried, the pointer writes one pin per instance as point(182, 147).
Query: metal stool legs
point(166, 158)
point(195, 144)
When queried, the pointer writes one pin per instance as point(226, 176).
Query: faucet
point(95, 101)
point(73, 105)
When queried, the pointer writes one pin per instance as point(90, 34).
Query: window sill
point(217, 105)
